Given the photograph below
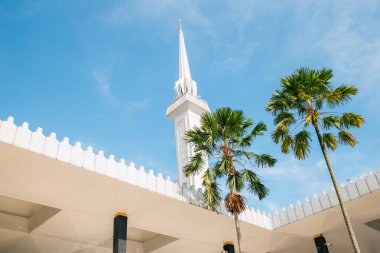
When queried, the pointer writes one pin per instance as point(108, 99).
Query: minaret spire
point(184, 84)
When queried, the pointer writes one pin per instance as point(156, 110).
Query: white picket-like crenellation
point(249, 215)
point(77, 155)
point(122, 171)
point(8, 130)
point(267, 221)
point(100, 163)
point(372, 182)
point(316, 204)
point(186, 192)
point(325, 201)
point(142, 178)
point(111, 167)
point(194, 196)
point(243, 216)
point(362, 186)
point(291, 213)
point(37, 141)
point(178, 192)
point(152, 181)
point(169, 187)
point(284, 216)
point(132, 174)
point(276, 220)
point(160, 182)
point(51, 146)
point(344, 193)
point(89, 159)
point(307, 207)
point(300, 213)
point(333, 197)
point(260, 218)
point(255, 219)
point(64, 150)
point(352, 190)
point(23, 137)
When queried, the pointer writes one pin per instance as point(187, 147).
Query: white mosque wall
point(23, 137)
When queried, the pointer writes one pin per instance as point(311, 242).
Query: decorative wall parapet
point(353, 189)
point(37, 142)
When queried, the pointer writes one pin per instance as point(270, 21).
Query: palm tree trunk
point(238, 233)
point(341, 203)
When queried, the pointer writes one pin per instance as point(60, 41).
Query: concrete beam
point(158, 242)
point(40, 217)
point(14, 222)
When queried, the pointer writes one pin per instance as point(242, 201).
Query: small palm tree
point(224, 137)
point(301, 102)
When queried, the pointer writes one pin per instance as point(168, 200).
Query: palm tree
point(303, 101)
point(224, 137)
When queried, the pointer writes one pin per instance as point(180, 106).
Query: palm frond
point(349, 120)
point(287, 144)
point(241, 154)
point(325, 75)
point(279, 134)
point(330, 141)
point(279, 102)
point(200, 140)
point(254, 184)
point(235, 181)
point(285, 118)
point(211, 191)
point(302, 144)
point(209, 176)
point(346, 138)
point(259, 129)
point(340, 95)
point(264, 160)
point(221, 167)
point(195, 165)
point(330, 121)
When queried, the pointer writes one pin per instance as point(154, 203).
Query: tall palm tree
point(303, 101)
point(224, 137)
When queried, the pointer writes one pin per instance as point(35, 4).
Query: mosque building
point(58, 197)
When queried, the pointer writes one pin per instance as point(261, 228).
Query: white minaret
point(186, 111)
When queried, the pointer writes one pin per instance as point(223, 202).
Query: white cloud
point(103, 86)
point(346, 35)
point(292, 169)
point(337, 30)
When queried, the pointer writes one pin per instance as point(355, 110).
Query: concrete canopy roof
point(87, 202)
point(50, 204)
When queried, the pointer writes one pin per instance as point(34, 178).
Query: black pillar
point(229, 247)
point(120, 233)
point(320, 243)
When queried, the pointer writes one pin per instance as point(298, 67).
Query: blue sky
point(102, 72)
